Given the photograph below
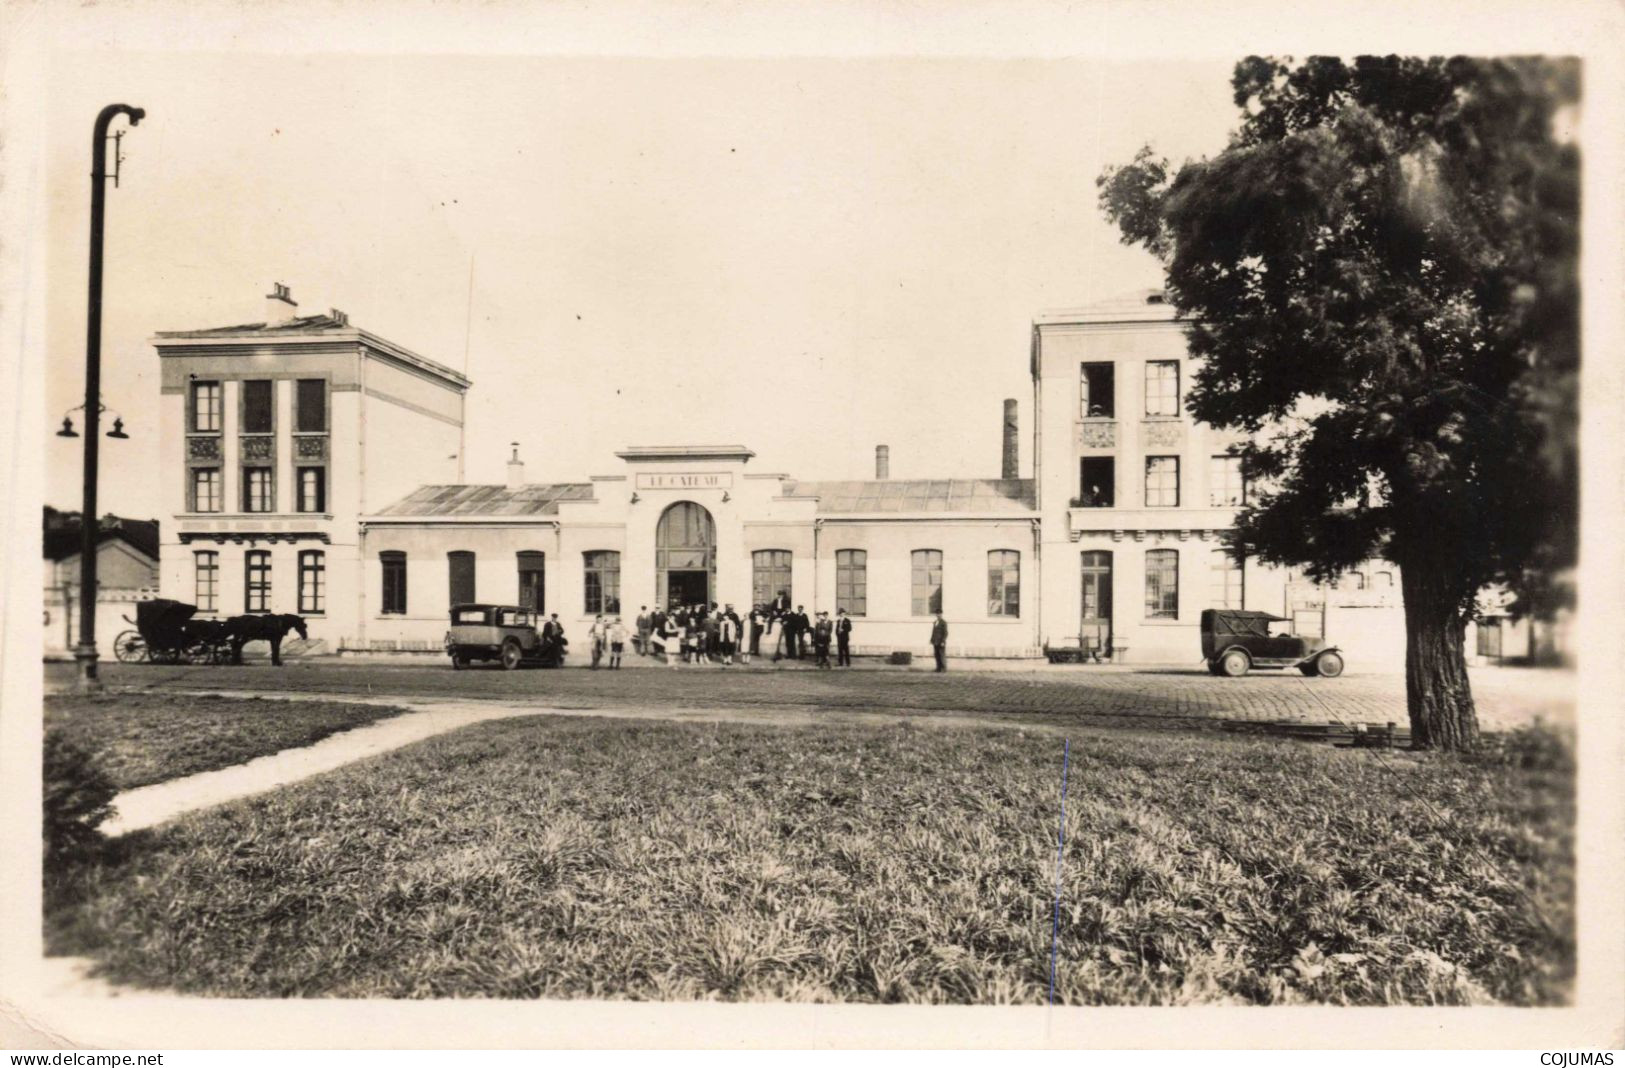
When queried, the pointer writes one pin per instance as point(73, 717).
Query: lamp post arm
point(85, 652)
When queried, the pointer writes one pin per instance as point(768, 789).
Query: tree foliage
point(1380, 276)
point(1380, 273)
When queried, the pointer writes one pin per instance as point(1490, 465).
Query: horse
point(244, 629)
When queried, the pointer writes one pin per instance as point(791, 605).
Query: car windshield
point(468, 615)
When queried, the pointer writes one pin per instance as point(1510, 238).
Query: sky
point(808, 257)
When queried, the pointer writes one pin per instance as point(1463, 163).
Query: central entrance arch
point(685, 556)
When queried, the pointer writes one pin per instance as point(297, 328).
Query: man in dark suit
point(823, 631)
point(803, 632)
point(843, 638)
point(781, 603)
point(939, 642)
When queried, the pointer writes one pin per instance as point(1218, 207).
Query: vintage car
point(499, 632)
point(1234, 642)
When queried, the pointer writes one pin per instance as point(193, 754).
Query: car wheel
point(1234, 664)
point(1329, 665)
point(512, 655)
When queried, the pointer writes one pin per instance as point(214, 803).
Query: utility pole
point(85, 652)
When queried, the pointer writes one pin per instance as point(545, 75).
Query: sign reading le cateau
point(719, 480)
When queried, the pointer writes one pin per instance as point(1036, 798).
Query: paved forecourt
point(1167, 697)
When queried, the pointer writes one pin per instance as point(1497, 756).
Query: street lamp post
point(85, 652)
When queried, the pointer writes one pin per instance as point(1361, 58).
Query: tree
point(1379, 274)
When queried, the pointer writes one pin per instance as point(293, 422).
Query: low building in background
point(127, 557)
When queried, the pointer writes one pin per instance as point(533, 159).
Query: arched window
point(926, 574)
point(1004, 583)
point(685, 555)
point(1162, 584)
point(312, 582)
point(533, 580)
point(460, 572)
point(602, 581)
point(852, 581)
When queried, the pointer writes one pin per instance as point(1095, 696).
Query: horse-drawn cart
point(166, 633)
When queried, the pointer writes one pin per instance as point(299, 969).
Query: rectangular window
point(603, 585)
point(313, 489)
point(393, 599)
point(205, 489)
point(927, 581)
point(257, 581)
point(205, 411)
point(1226, 487)
point(1097, 482)
point(1097, 388)
point(258, 490)
point(310, 406)
point(1227, 586)
point(1162, 482)
point(312, 582)
point(533, 581)
point(1162, 387)
point(257, 412)
point(206, 581)
point(1162, 584)
point(1004, 583)
point(770, 575)
point(852, 581)
point(460, 568)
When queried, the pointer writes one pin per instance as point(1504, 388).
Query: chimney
point(516, 469)
point(1012, 455)
point(882, 462)
point(279, 305)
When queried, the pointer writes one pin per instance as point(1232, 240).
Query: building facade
point(313, 467)
point(126, 572)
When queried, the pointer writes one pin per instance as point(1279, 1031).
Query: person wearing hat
point(823, 630)
point(843, 638)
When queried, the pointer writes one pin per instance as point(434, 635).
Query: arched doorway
point(685, 556)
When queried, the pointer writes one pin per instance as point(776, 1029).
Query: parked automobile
point(504, 633)
point(1234, 642)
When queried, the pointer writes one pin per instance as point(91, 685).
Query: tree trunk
point(1438, 695)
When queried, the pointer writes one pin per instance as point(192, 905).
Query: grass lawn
point(556, 857)
point(148, 738)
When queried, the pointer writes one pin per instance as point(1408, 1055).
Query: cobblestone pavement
point(1167, 697)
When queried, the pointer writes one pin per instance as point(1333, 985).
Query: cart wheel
point(512, 655)
point(1329, 665)
point(129, 647)
point(1234, 664)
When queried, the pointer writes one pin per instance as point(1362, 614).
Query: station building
point(312, 467)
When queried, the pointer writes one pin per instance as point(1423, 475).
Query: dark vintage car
point(499, 632)
point(1234, 642)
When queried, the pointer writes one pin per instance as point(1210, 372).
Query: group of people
point(716, 634)
point(698, 634)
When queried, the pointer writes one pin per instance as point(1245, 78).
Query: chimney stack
point(279, 305)
point(1012, 454)
point(882, 462)
point(516, 469)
